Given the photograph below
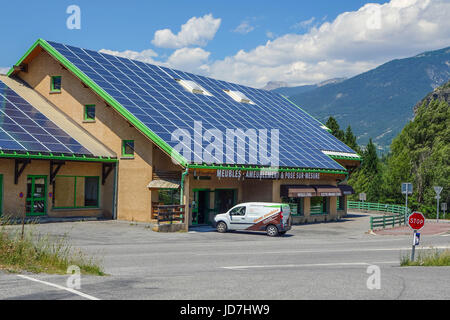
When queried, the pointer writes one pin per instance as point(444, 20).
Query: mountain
point(440, 94)
point(288, 91)
point(378, 103)
point(272, 85)
point(420, 154)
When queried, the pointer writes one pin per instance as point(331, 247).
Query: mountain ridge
point(378, 103)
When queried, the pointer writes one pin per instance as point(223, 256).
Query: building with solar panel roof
point(144, 137)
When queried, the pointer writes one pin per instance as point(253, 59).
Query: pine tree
point(336, 131)
point(350, 139)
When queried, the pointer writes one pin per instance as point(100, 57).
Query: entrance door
point(200, 208)
point(36, 203)
point(225, 199)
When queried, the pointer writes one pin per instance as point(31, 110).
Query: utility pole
point(407, 188)
point(438, 191)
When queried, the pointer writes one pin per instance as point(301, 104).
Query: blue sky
point(249, 41)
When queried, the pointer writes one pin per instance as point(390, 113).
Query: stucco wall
point(134, 198)
point(15, 206)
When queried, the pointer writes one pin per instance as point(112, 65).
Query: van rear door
point(286, 212)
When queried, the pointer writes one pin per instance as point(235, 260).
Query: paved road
point(315, 261)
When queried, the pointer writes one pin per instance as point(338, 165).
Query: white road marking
point(335, 264)
point(60, 287)
point(319, 251)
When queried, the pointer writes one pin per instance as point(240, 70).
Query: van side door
point(237, 218)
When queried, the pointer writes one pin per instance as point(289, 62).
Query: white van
point(273, 218)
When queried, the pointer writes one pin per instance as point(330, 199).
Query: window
point(89, 112)
point(169, 196)
point(296, 205)
point(238, 211)
point(128, 148)
point(55, 84)
point(75, 192)
point(341, 203)
point(239, 96)
point(319, 205)
point(193, 87)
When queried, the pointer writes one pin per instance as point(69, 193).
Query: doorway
point(200, 207)
point(225, 199)
point(36, 201)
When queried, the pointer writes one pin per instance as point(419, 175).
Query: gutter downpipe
point(183, 175)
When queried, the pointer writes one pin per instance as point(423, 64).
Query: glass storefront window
point(341, 203)
point(319, 205)
point(75, 192)
point(296, 205)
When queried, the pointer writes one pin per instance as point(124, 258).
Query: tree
point(333, 125)
point(350, 139)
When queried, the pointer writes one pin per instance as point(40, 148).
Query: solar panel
point(23, 128)
point(154, 96)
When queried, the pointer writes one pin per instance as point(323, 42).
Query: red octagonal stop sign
point(416, 221)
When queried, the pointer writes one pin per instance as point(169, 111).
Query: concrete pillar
point(276, 191)
point(307, 207)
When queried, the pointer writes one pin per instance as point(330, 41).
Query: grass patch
point(434, 258)
point(26, 251)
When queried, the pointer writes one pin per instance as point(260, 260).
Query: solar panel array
point(24, 129)
point(152, 94)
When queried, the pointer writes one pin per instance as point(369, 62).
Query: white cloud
point(304, 24)
point(244, 28)
point(4, 70)
point(186, 59)
point(196, 31)
point(354, 42)
point(270, 35)
point(189, 59)
point(144, 56)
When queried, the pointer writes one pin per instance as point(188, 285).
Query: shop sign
point(275, 175)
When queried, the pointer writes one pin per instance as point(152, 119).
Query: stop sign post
point(416, 221)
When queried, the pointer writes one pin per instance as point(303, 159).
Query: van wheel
point(221, 227)
point(272, 231)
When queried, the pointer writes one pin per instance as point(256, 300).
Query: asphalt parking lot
point(315, 261)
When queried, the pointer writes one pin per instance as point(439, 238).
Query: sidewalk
point(430, 228)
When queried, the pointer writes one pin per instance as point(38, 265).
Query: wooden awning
point(301, 192)
point(163, 184)
point(328, 191)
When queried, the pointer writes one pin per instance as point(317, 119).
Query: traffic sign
point(444, 206)
point(416, 221)
point(438, 190)
point(407, 188)
point(362, 197)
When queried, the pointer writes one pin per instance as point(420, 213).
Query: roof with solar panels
point(158, 101)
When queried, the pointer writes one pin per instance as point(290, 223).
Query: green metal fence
point(387, 221)
point(389, 208)
point(399, 216)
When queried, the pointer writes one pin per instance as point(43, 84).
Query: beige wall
point(253, 190)
point(15, 206)
point(134, 198)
